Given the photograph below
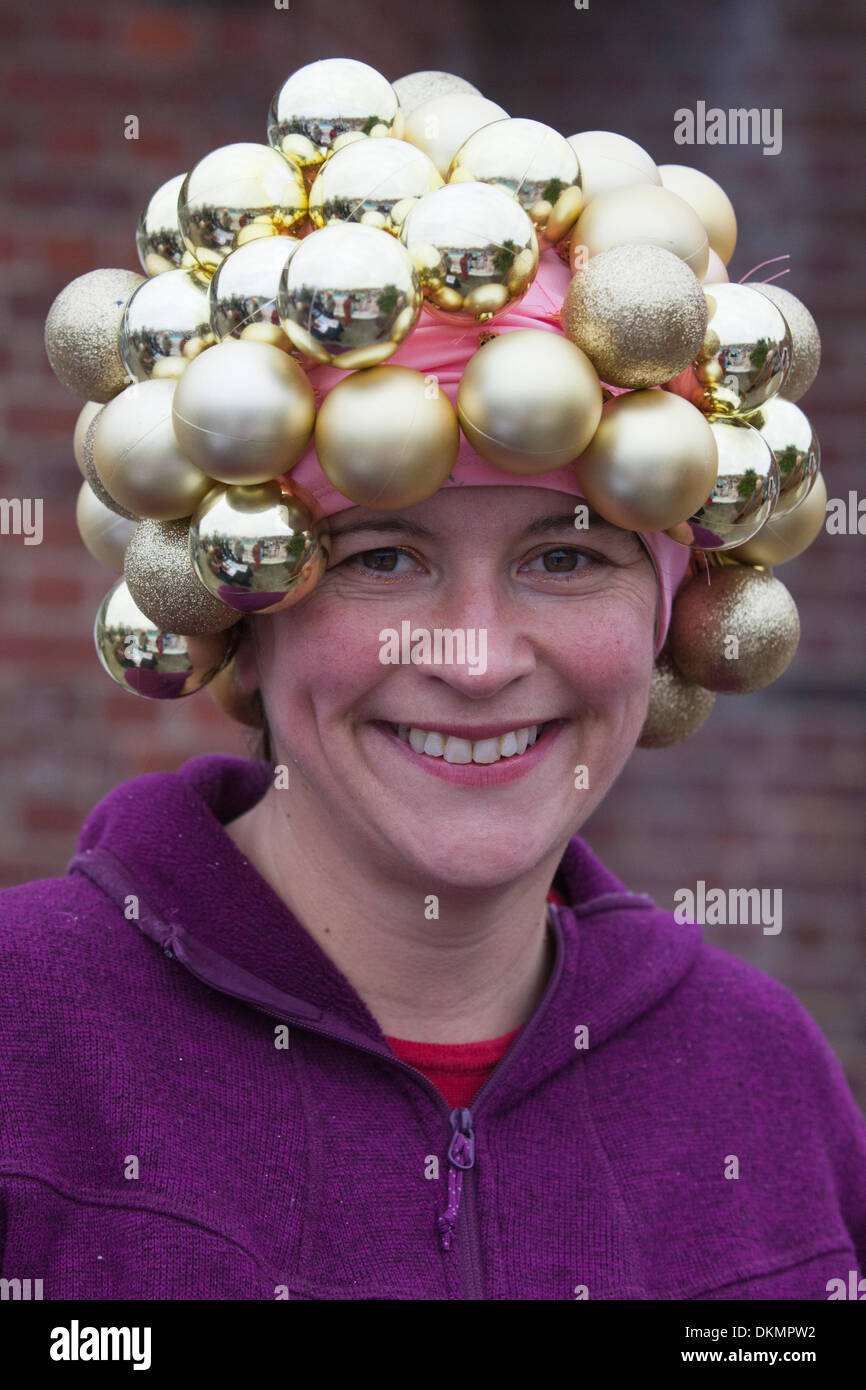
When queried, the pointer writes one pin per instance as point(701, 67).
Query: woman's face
point(557, 626)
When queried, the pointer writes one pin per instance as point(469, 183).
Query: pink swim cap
point(443, 350)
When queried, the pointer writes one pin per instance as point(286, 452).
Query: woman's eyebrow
point(387, 525)
point(555, 521)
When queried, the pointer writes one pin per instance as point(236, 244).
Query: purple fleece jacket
point(164, 1135)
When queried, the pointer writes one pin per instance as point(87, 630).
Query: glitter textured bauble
point(745, 491)
point(609, 161)
point(651, 461)
point(677, 708)
point(244, 412)
point(227, 692)
point(145, 661)
point(417, 87)
point(795, 448)
point(244, 289)
point(383, 439)
point(785, 537)
point(745, 355)
point(529, 364)
point(372, 182)
point(92, 478)
point(86, 416)
point(139, 459)
point(258, 548)
point(474, 249)
point(735, 634)
point(81, 333)
point(315, 109)
point(234, 193)
point(710, 202)
point(642, 213)
point(638, 312)
point(349, 296)
point(158, 239)
point(162, 581)
point(105, 534)
point(165, 325)
point(532, 162)
point(805, 340)
point(441, 125)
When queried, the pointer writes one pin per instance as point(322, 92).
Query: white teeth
point(462, 750)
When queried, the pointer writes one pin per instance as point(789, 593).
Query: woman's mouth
point(434, 744)
point(494, 757)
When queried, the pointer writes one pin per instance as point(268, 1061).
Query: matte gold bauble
point(710, 202)
point(441, 125)
point(145, 661)
point(785, 537)
point(532, 162)
point(373, 182)
point(529, 401)
point(735, 634)
point(87, 415)
point(320, 104)
point(715, 273)
point(649, 466)
point(805, 341)
point(795, 448)
point(227, 692)
point(233, 188)
point(92, 478)
point(165, 325)
point(243, 291)
point(641, 213)
point(105, 534)
point(158, 239)
point(349, 296)
point(81, 333)
point(744, 357)
point(244, 412)
point(639, 314)
point(677, 708)
point(258, 548)
point(609, 161)
point(745, 490)
point(417, 87)
point(383, 439)
point(162, 581)
point(139, 459)
point(474, 249)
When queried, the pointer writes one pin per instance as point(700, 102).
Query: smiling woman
point(377, 969)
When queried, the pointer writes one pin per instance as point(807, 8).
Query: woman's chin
point(485, 860)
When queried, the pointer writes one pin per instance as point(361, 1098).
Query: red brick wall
point(769, 794)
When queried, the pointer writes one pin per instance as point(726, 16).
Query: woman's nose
point(482, 644)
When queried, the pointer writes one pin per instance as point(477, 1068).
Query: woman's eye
point(564, 559)
point(385, 560)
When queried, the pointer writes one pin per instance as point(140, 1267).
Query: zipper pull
point(461, 1157)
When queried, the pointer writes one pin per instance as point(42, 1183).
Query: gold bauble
point(639, 314)
point(105, 534)
point(641, 213)
point(529, 401)
point(233, 188)
point(138, 458)
point(259, 548)
point(227, 692)
point(81, 333)
point(805, 341)
point(651, 461)
point(744, 357)
point(785, 537)
point(745, 490)
point(162, 581)
point(145, 661)
point(92, 478)
point(795, 447)
point(373, 182)
point(165, 325)
point(244, 412)
point(349, 296)
point(532, 162)
point(384, 440)
point(475, 250)
point(715, 273)
point(243, 291)
point(441, 125)
point(158, 239)
point(609, 161)
point(677, 708)
point(86, 416)
point(736, 633)
point(710, 202)
point(320, 104)
point(417, 87)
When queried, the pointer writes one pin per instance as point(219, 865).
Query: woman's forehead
point(537, 510)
